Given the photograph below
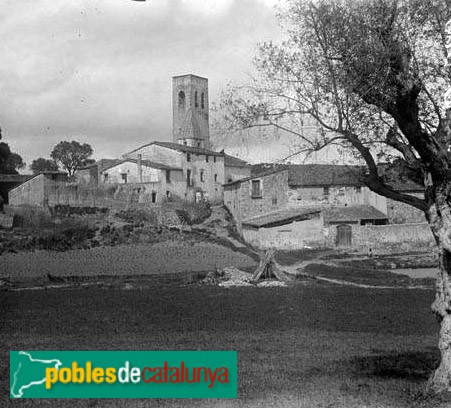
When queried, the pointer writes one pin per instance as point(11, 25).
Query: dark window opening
point(216, 177)
point(214, 159)
point(202, 101)
point(188, 157)
point(207, 158)
point(154, 196)
point(182, 100)
point(202, 176)
point(168, 176)
point(326, 191)
point(124, 177)
point(189, 181)
point(105, 177)
point(256, 189)
point(196, 102)
point(199, 144)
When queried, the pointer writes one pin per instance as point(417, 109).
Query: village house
point(296, 206)
point(37, 188)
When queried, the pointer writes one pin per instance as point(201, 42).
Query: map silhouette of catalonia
point(29, 372)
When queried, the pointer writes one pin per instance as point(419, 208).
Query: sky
point(99, 71)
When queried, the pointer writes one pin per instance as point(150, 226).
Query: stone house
point(37, 188)
point(294, 186)
point(201, 170)
point(294, 206)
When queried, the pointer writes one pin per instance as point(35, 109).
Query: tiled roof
point(15, 178)
point(146, 163)
point(180, 148)
point(310, 175)
point(254, 176)
point(102, 164)
point(352, 213)
point(320, 175)
point(281, 217)
point(190, 128)
point(233, 161)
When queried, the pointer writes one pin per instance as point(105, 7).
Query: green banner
point(123, 374)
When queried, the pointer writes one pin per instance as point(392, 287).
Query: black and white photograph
point(225, 203)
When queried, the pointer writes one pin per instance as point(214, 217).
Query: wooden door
point(344, 235)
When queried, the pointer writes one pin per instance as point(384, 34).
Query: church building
point(186, 167)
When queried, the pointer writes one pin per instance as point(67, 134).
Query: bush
point(137, 216)
point(192, 213)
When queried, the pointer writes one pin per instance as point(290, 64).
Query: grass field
point(305, 345)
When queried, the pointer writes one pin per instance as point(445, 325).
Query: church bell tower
point(190, 123)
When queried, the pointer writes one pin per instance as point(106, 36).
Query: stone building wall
point(400, 213)
point(233, 173)
point(293, 236)
point(213, 169)
point(238, 198)
point(377, 236)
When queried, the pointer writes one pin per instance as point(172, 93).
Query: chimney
point(140, 169)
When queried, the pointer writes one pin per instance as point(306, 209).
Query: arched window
point(182, 102)
point(202, 101)
point(196, 102)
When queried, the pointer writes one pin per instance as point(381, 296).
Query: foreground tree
point(42, 164)
point(371, 76)
point(72, 155)
point(10, 162)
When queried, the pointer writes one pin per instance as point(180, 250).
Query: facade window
point(185, 143)
point(202, 101)
point(196, 102)
point(105, 177)
point(124, 177)
point(199, 144)
point(207, 158)
point(188, 157)
point(154, 196)
point(202, 176)
point(358, 190)
point(189, 180)
point(168, 194)
point(214, 159)
point(168, 176)
point(256, 189)
point(182, 100)
point(326, 191)
point(216, 177)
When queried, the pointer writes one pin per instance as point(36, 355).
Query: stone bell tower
point(190, 123)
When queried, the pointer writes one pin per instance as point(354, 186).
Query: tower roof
point(190, 128)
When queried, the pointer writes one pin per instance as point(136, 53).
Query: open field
point(123, 260)
point(310, 344)
point(305, 345)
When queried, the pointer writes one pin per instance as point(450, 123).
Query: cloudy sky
point(99, 71)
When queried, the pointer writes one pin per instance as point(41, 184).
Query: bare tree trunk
point(441, 379)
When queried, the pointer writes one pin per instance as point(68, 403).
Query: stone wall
point(117, 197)
point(376, 236)
point(31, 192)
point(293, 236)
point(233, 173)
point(400, 213)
